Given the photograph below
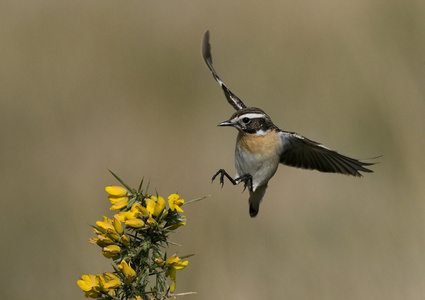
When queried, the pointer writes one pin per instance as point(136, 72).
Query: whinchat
point(261, 146)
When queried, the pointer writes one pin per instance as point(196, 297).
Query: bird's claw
point(222, 173)
point(246, 179)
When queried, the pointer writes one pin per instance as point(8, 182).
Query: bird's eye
point(246, 120)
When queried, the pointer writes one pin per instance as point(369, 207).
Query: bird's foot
point(247, 180)
point(223, 173)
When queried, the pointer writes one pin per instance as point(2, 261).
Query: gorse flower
point(88, 283)
point(96, 286)
point(155, 205)
point(128, 272)
point(113, 280)
point(175, 202)
point(135, 223)
point(173, 264)
point(116, 191)
point(118, 196)
point(111, 251)
point(135, 239)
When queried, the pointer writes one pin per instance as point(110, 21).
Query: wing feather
point(206, 55)
point(300, 152)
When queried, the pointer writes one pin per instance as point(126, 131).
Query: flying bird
point(261, 146)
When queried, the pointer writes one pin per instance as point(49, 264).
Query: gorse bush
point(136, 239)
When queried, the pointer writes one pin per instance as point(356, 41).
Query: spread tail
point(255, 200)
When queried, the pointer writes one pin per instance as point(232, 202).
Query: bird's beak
point(226, 123)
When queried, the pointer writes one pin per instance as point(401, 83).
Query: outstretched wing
point(206, 55)
point(300, 152)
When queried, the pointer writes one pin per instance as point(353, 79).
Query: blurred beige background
point(95, 84)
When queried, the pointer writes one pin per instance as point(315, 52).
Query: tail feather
point(255, 200)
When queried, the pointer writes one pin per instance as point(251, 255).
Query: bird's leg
point(247, 179)
point(223, 173)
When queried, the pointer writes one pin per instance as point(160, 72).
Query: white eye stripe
point(250, 116)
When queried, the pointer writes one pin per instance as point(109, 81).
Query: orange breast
point(257, 144)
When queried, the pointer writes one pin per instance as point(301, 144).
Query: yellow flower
point(96, 231)
point(141, 209)
point(125, 240)
point(122, 215)
point(159, 207)
point(150, 205)
point(155, 205)
point(110, 227)
point(87, 282)
point(151, 222)
point(127, 215)
point(128, 271)
point(112, 234)
point(101, 282)
point(110, 276)
point(172, 287)
point(111, 251)
point(174, 202)
point(95, 286)
point(119, 204)
point(135, 223)
point(105, 224)
point(177, 225)
point(130, 217)
point(159, 261)
point(117, 225)
point(116, 191)
point(115, 200)
point(101, 241)
point(174, 263)
point(118, 196)
point(113, 281)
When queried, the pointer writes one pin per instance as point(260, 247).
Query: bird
point(261, 146)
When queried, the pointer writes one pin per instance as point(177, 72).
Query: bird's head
point(250, 120)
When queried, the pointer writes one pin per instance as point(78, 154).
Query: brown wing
point(206, 55)
point(300, 152)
